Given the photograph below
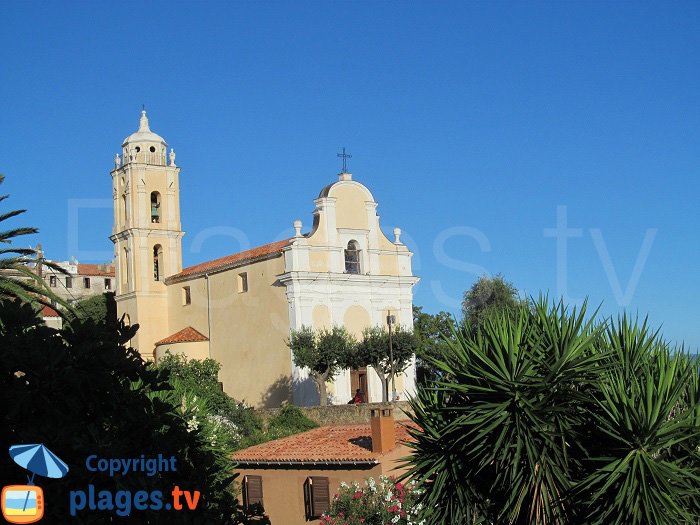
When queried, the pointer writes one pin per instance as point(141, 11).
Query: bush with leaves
point(82, 391)
point(546, 416)
point(376, 502)
point(199, 379)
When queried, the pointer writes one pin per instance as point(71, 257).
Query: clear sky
point(557, 143)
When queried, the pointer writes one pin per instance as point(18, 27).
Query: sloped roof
point(186, 335)
point(95, 270)
point(47, 311)
point(231, 261)
point(333, 444)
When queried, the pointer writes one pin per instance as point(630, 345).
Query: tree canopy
point(486, 296)
point(324, 352)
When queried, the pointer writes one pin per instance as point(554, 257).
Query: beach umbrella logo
point(25, 503)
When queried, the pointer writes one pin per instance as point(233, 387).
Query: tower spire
point(143, 123)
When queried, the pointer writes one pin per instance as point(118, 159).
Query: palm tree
point(18, 280)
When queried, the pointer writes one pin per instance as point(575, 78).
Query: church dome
point(144, 134)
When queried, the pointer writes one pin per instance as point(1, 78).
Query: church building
point(239, 309)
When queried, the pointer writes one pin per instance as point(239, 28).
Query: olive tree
point(323, 352)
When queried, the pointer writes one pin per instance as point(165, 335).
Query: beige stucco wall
point(350, 206)
point(283, 488)
point(321, 316)
point(191, 350)
point(248, 330)
point(356, 319)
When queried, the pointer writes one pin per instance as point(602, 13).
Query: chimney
point(383, 435)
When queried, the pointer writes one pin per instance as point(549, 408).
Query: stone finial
point(117, 161)
point(172, 157)
point(344, 176)
point(397, 235)
point(297, 228)
point(143, 122)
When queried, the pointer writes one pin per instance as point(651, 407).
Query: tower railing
point(155, 159)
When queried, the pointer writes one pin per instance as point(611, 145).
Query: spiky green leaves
point(545, 417)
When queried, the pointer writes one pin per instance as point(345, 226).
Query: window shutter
point(252, 491)
point(318, 499)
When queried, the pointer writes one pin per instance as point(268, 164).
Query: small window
point(69, 282)
point(317, 499)
point(253, 492)
point(86, 282)
point(186, 296)
point(138, 149)
point(153, 149)
point(157, 262)
point(155, 207)
point(52, 281)
point(352, 258)
point(243, 282)
point(108, 284)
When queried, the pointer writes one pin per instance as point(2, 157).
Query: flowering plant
point(377, 502)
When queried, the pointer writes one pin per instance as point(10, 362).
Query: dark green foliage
point(290, 420)
point(432, 334)
point(487, 296)
point(102, 309)
point(544, 416)
point(81, 391)
point(323, 352)
point(373, 350)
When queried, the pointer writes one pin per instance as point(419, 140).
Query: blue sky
point(477, 126)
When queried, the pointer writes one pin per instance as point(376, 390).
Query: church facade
point(239, 309)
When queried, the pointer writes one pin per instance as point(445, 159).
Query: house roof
point(231, 261)
point(97, 270)
point(186, 335)
point(47, 311)
point(325, 445)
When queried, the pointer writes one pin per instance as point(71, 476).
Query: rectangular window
point(69, 282)
point(108, 284)
point(186, 296)
point(243, 282)
point(52, 281)
point(316, 496)
point(86, 282)
point(252, 492)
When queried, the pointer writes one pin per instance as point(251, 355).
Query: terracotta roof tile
point(333, 444)
point(186, 335)
point(95, 270)
point(47, 311)
point(236, 259)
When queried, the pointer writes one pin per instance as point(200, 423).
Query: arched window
point(352, 258)
point(155, 207)
point(157, 263)
point(124, 208)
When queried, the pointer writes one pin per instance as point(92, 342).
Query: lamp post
point(391, 320)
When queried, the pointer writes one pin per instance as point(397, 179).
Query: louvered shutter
point(318, 500)
point(252, 491)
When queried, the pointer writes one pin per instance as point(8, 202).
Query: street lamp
point(391, 320)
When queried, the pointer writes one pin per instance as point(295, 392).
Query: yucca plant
point(495, 440)
point(545, 416)
point(642, 460)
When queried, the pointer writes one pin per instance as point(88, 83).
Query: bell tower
point(147, 235)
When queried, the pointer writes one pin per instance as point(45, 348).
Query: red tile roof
point(96, 270)
point(335, 444)
point(186, 335)
point(231, 261)
point(47, 311)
